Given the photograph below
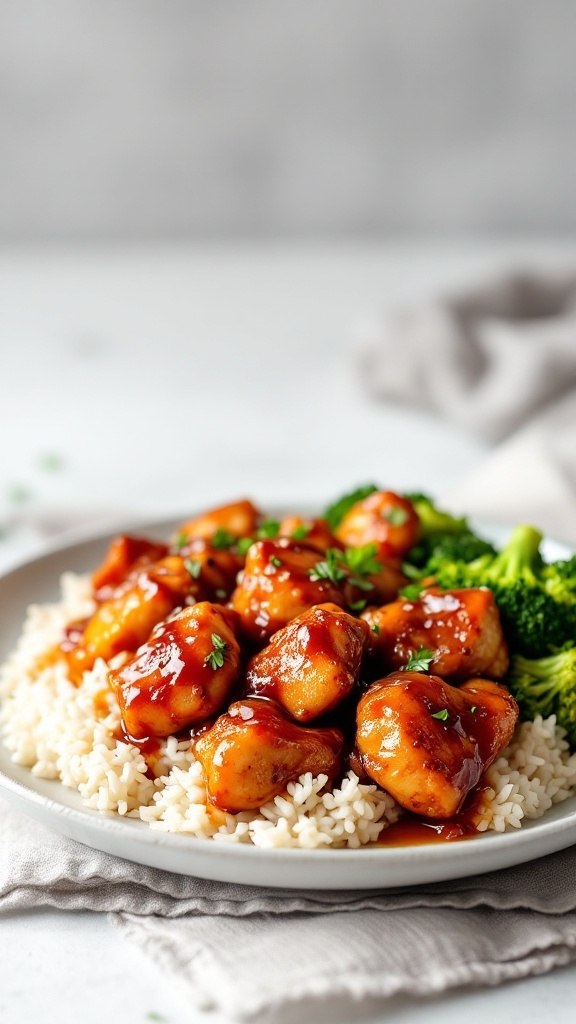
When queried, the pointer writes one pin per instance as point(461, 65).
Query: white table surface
point(144, 382)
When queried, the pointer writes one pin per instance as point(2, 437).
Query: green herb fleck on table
point(18, 494)
point(218, 653)
point(51, 462)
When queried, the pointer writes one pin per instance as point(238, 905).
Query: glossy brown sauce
point(410, 830)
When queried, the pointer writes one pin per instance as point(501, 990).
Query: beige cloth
point(249, 951)
point(499, 361)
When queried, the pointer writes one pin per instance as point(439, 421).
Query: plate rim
point(496, 846)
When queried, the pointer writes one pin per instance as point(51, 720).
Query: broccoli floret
point(434, 521)
point(457, 547)
point(560, 579)
point(535, 622)
point(547, 686)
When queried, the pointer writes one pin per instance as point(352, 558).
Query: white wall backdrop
point(177, 118)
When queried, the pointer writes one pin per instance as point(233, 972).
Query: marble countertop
point(144, 382)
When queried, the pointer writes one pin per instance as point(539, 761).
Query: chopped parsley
point(193, 567)
point(358, 606)
point(220, 594)
point(330, 568)
point(222, 539)
point(362, 561)
point(274, 560)
point(375, 629)
point(301, 532)
point(474, 709)
point(243, 545)
point(338, 509)
point(268, 529)
point(420, 661)
point(218, 653)
point(181, 540)
point(411, 592)
point(51, 462)
point(395, 515)
point(442, 715)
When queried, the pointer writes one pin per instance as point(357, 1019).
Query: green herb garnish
point(474, 709)
point(222, 539)
point(274, 560)
point(216, 657)
point(442, 715)
point(358, 606)
point(243, 545)
point(420, 661)
point(301, 532)
point(395, 515)
point(330, 568)
point(375, 629)
point(411, 592)
point(268, 529)
point(193, 567)
point(181, 540)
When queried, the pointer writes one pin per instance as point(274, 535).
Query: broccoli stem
point(520, 556)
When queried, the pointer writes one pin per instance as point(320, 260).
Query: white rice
point(61, 731)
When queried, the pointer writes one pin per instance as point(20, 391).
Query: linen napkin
point(248, 952)
point(498, 360)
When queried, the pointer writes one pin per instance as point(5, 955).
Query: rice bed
point(60, 731)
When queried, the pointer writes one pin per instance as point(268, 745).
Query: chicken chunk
point(214, 569)
point(427, 743)
point(253, 750)
point(311, 664)
point(126, 619)
point(238, 519)
point(461, 627)
point(315, 533)
point(383, 518)
point(123, 555)
point(278, 583)
point(182, 675)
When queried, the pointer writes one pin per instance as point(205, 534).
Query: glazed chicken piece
point(383, 518)
point(311, 664)
point(240, 519)
point(253, 750)
point(126, 619)
point(315, 533)
point(427, 743)
point(123, 556)
point(182, 675)
point(461, 627)
point(214, 569)
point(277, 584)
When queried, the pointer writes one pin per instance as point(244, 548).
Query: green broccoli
point(434, 521)
point(535, 622)
point(559, 579)
point(546, 686)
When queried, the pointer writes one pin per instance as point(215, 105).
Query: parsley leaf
point(329, 569)
point(222, 539)
point(358, 606)
point(218, 653)
point(420, 661)
point(301, 532)
point(268, 529)
point(274, 560)
point(338, 509)
point(180, 541)
point(193, 567)
point(411, 592)
point(375, 629)
point(395, 515)
point(362, 561)
point(442, 715)
point(474, 709)
point(243, 544)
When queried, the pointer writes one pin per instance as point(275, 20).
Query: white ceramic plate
point(62, 811)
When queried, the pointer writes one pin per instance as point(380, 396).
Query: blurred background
point(201, 202)
point(133, 119)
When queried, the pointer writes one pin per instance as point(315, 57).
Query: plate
point(62, 810)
